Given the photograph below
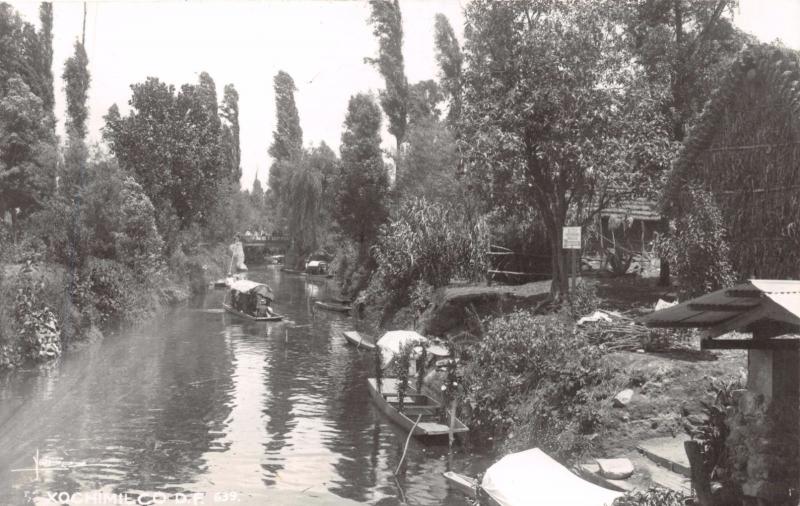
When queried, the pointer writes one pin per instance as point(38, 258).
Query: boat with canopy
point(251, 300)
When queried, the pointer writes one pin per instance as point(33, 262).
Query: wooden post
point(574, 262)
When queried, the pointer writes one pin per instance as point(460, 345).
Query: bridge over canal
point(256, 250)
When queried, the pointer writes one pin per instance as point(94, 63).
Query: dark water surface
point(210, 407)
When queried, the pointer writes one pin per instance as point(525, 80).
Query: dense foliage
point(652, 497)
point(696, 246)
point(554, 115)
point(27, 154)
point(426, 242)
point(171, 143)
point(362, 183)
point(534, 373)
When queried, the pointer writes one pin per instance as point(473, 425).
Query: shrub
point(427, 242)
point(533, 373)
point(652, 497)
point(138, 244)
point(696, 246)
point(583, 300)
point(106, 293)
point(35, 324)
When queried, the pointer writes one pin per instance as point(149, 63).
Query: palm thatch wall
point(745, 151)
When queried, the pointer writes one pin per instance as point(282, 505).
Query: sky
point(320, 43)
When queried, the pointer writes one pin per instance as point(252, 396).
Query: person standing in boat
point(237, 255)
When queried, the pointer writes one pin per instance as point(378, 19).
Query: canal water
point(202, 407)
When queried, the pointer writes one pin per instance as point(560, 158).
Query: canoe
point(332, 306)
point(273, 318)
point(464, 484)
point(414, 405)
point(358, 340)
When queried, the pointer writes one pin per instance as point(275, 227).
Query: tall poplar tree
point(76, 85)
point(27, 140)
point(287, 138)
point(46, 56)
point(387, 26)
point(362, 183)
point(450, 61)
point(230, 132)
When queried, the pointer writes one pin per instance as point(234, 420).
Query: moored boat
point(251, 300)
point(414, 405)
point(464, 484)
point(358, 340)
point(332, 306)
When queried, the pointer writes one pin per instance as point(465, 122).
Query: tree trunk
point(14, 224)
point(663, 276)
point(560, 266)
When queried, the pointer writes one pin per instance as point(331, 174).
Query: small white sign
point(571, 238)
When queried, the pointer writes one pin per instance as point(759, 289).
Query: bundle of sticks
point(620, 332)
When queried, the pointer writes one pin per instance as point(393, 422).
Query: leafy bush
point(713, 433)
point(696, 246)
point(533, 373)
point(583, 300)
point(106, 293)
point(428, 242)
point(652, 497)
point(36, 324)
point(138, 244)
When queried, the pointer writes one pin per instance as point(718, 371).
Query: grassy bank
point(47, 308)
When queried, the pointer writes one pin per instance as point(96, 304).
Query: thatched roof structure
point(637, 208)
point(745, 151)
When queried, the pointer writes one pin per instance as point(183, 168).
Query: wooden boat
point(271, 318)
point(414, 405)
point(251, 300)
point(332, 306)
point(464, 484)
point(358, 340)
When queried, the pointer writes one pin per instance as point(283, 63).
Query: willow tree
point(304, 200)
point(555, 117)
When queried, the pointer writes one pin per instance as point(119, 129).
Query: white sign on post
point(571, 238)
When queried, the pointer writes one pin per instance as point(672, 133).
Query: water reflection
point(202, 401)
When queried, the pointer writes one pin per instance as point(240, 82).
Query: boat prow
point(357, 340)
point(464, 484)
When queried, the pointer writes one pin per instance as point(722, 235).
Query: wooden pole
point(408, 439)
point(572, 258)
point(450, 435)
